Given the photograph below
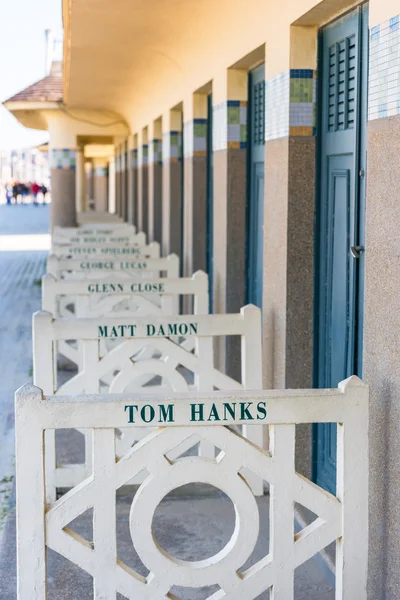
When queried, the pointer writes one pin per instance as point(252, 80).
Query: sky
point(22, 60)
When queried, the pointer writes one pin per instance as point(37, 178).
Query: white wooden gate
point(123, 368)
point(116, 297)
point(342, 519)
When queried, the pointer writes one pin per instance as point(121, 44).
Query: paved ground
point(20, 272)
point(192, 524)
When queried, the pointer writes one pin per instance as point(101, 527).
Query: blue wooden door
point(340, 218)
point(210, 204)
point(255, 186)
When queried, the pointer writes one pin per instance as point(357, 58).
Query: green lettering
point(245, 414)
point(132, 330)
point(197, 410)
point(103, 331)
point(172, 329)
point(114, 332)
point(261, 411)
point(122, 330)
point(151, 413)
point(213, 416)
point(166, 413)
point(131, 408)
point(161, 330)
point(151, 330)
point(231, 409)
point(193, 327)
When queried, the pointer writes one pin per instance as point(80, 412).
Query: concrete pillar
point(143, 181)
point(89, 184)
point(131, 180)
point(155, 181)
point(63, 187)
point(124, 181)
point(117, 181)
point(381, 292)
point(100, 184)
point(135, 182)
point(230, 115)
point(172, 184)
point(111, 186)
point(195, 183)
point(80, 193)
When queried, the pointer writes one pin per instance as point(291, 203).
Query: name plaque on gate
point(101, 251)
point(147, 330)
point(121, 288)
point(192, 413)
point(112, 266)
point(100, 240)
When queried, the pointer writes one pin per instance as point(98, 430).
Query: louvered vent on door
point(259, 114)
point(342, 85)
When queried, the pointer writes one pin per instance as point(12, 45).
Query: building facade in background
point(27, 164)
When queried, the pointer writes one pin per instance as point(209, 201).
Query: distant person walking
point(35, 189)
point(44, 192)
point(9, 193)
point(15, 192)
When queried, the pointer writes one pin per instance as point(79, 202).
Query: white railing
point(342, 519)
point(147, 348)
point(126, 267)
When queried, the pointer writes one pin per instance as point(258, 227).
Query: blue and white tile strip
point(63, 158)
point(384, 70)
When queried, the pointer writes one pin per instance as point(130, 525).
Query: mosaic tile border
point(172, 146)
point(144, 155)
point(384, 70)
point(230, 125)
point(134, 157)
point(155, 151)
point(290, 104)
point(63, 158)
point(303, 102)
point(100, 171)
point(195, 138)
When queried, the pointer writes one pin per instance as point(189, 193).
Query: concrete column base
point(63, 193)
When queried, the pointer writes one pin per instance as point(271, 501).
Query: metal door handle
point(356, 251)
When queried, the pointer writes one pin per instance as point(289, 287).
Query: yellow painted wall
point(65, 128)
point(142, 59)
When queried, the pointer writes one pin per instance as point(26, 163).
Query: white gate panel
point(116, 297)
point(342, 519)
point(124, 369)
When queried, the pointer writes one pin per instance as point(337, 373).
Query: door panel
point(338, 274)
point(255, 202)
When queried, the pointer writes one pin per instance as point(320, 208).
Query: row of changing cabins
point(143, 389)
